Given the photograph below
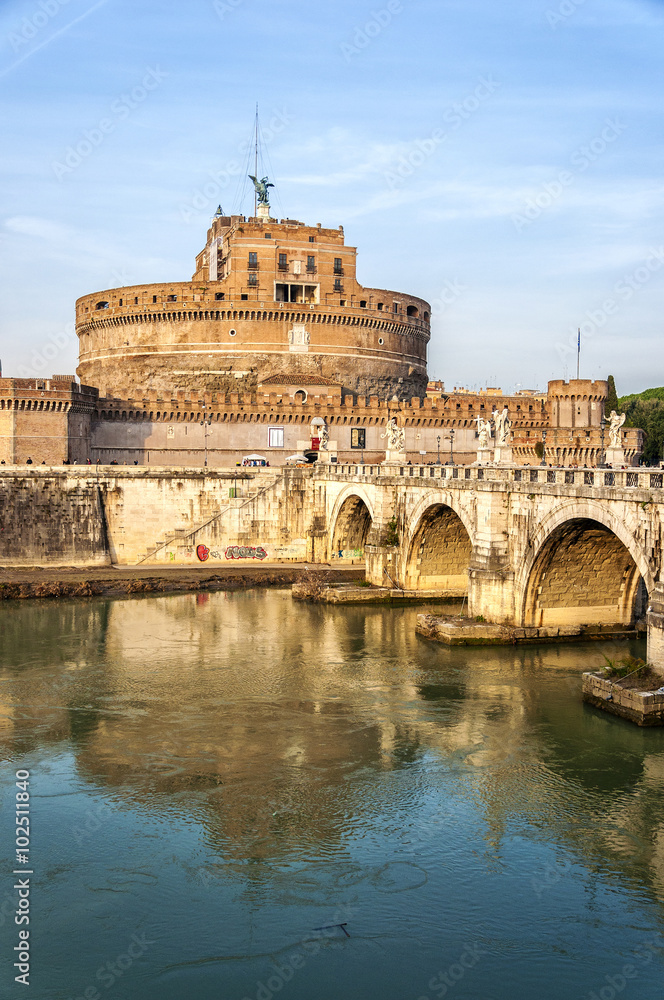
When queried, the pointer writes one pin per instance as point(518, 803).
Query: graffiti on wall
point(231, 552)
point(245, 552)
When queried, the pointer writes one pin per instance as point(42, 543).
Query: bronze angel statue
point(261, 187)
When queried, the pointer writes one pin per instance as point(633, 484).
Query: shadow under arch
point(351, 523)
point(438, 551)
point(584, 568)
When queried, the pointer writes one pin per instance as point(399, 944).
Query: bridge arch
point(437, 546)
point(583, 566)
point(350, 523)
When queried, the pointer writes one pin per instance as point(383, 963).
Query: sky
point(501, 160)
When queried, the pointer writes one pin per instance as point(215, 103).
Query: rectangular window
point(312, 239)
point(171, 298)
point(395, 307)
point(120, 303)
point(275, 437)
point(154, 298)
point(253, 260)
point(311, 262)
point(337, 285)
point(136, 300)
point(358, 437)
point(268, 236)
point(338, 269)
point(244, 298)
point(283, 262)
point(253, 279)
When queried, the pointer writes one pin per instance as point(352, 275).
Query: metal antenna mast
point(256, 161)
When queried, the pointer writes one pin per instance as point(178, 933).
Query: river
point(235, 796)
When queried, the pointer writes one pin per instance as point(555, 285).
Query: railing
point(596, 478)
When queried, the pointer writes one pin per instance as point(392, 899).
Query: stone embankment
point(315, 587)
point(639, 704)
point(110, 582)
point(458, 631)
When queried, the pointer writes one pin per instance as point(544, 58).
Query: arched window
point(102, 305)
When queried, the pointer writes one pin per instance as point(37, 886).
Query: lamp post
point(602, 427)
point(452, 446)
point(438, 440)
point(205, 423)
point(543, 462)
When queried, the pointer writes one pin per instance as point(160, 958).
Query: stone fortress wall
point(272, 337)
point(45, 420)
point(266, 297)
point(66, 421)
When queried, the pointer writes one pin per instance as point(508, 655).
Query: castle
point(272, 340)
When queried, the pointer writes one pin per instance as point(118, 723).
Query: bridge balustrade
point(620, 478)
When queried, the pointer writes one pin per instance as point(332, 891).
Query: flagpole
point(578, 353)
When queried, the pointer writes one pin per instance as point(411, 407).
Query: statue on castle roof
point(261, 187)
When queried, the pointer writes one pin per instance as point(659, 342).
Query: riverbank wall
point(93, 516)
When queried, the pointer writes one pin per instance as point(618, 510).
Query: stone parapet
point(646, 708)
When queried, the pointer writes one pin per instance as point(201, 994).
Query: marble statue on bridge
point(396, 441)
point(503, 450)
point(503, 427)
point(615, 423)
point(615, 453)
point(483, 431)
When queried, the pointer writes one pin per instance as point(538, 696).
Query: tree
point(612, 397)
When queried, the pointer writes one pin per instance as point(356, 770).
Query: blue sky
point(502, 160)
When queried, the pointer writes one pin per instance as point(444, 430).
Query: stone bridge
point(528, 546)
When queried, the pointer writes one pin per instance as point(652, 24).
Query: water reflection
point(296, 735)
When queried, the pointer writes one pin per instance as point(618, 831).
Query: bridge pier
point(655, 620)
point(382, 565)
point(491, 594)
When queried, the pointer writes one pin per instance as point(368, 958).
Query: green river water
point(215, 778)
